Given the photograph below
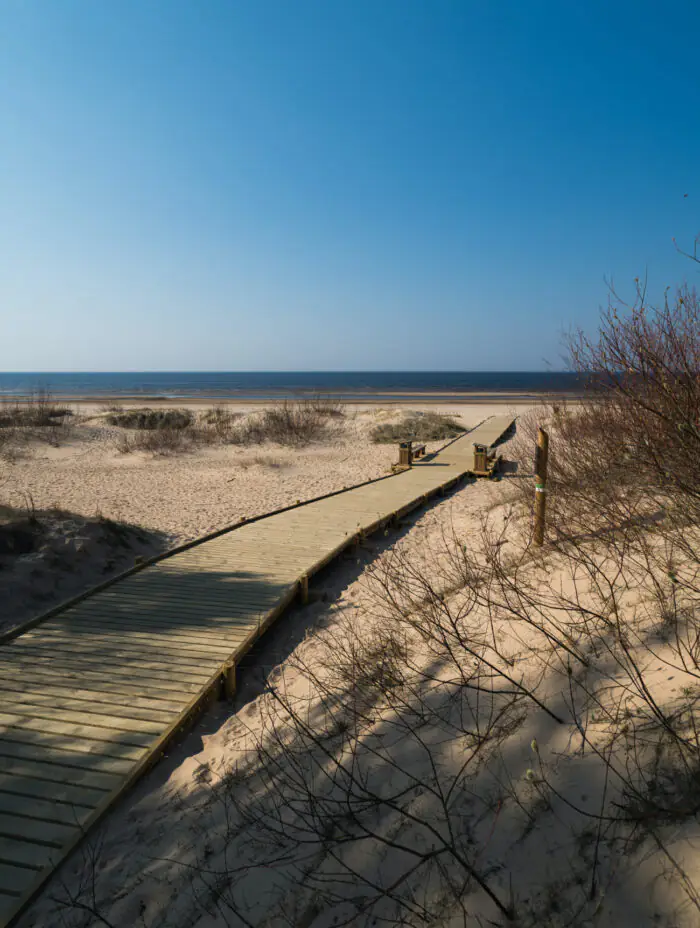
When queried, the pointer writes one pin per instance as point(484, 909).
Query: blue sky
point(327, 185)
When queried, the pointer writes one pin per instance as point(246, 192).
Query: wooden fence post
point(541, 456)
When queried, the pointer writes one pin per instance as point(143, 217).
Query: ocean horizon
point(270, 385)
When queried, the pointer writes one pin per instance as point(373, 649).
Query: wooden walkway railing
point(90, 697)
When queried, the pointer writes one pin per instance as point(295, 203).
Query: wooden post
point(541, 456)
point(304, 590)
point(229, 681)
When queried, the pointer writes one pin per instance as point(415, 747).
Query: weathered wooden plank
point(95, 702)
point(43, 810)
point(178, 593)
point(127, 669)
point(214, 621)
point(14, 880)
point(188, 606)
point(116, 648)
point(172, 691)
point(171, 687)
point(173, 595)
point(27, 853)
point(50, 834)
point(57, 777)
point(184, 630)
point(96, 634)
point(38, 702)
point(67, 753)
point(14, 721)
point(17, 782)
point(119, 638)
point(45, 743)
point(90, 712)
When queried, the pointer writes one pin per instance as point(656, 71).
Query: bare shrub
point(327, 407)
point(123, 443)
point(220, 420)
point(644, 365)
point(163, 440)
point(430, 426)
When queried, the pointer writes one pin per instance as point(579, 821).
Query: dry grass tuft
point(294, 424)
point(36, 417)
point(151, 419)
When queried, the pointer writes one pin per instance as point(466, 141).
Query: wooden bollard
point(304, 590)
point(229, 681)
point(541, 456)
point(405, 453)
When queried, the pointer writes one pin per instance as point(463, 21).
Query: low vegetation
point(429, 426)
point(288, 423)
point(36, 417)
point(160, 441)
point(151, 419)
point(220, 420)
point(36, 411)
point(167, 431)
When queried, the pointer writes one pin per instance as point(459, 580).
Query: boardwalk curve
point(90, 697)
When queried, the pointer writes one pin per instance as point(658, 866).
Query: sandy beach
point(176, 497)
point(184, 848)
point(194, 843)
point(203, 839)
point(188, 494)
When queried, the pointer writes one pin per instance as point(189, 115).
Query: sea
point(275, 385)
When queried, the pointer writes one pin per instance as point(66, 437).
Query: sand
point(168, 499)
point(187, 495)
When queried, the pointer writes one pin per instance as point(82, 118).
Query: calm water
point(262, 385)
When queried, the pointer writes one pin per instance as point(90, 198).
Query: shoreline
point(351, 399)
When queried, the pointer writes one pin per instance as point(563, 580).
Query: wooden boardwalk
point(90, 697)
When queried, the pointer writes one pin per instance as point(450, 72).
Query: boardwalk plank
point(14, 880)
point(18, 782)
point(13, 721)
point(49, 834)
point(43, 810)
point(65, 752)
point(26, 853)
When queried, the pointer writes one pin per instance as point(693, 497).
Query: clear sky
point(336, 184)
